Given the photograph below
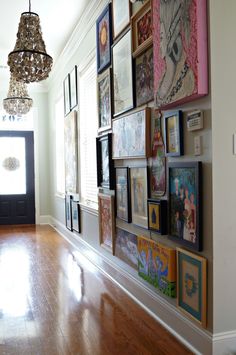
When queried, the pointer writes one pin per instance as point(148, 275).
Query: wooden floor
point(52, 304)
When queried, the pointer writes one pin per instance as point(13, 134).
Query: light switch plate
point(197, 145)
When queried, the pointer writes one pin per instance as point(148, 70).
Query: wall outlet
point(197, 145)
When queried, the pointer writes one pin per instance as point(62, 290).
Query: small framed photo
point(68, 212)
point(105, 164)
point(122, 74)
point(157, 216)
point(75, 211)
point(184, 195)
point(144, 77)
point(138, 177)
point(66, 89)
point(141, 23)
point(121, 10)
point(123, 210)
point(73, 88)
point(104, 39)
point(192, 285)
point(173, 133)
point(106, 221)
point(104, 101)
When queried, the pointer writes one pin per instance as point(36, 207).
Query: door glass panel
point(12, 166)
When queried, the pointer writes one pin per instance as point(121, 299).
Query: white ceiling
point(58, 19)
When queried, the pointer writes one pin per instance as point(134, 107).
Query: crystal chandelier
point(29, 61)
point(18, 100)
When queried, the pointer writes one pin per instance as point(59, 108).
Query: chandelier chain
point(29, 5)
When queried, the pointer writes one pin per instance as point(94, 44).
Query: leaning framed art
point(180, 51)
point(104, 39)
point(173, 133)
point(123, 204)
point(104, 101)
point(184, 192)
point(106, 221)
point(192, 285)
point(105, 164)
point(138, 179)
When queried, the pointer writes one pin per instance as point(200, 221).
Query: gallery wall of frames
point(150, 62)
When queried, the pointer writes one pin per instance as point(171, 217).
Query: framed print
point(122, 75)
point(191, 285)
point(157, 216)
point(126, 247)
point(157, 265)
point(71, 152)
point(104, 101)
point(131, 135)
point(75, 213)
point(138, 178)
point(123, 205)
point(180, 51)
point(120, 15)
point(105, 164)
point(66, 89)
point(106, 221)
point(184, 180)
point(173, 133)
point(104, 39)
point(73, 88)
point(141, 23)
point(68, 211)
point(144, 77)
point(158, 161)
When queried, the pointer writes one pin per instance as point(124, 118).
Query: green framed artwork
point(191, 285)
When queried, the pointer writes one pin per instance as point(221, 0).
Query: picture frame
point(123, 203)
point(106, 217)
point(173, 133)
point(121, 10)
point(131, 135)
point(104, 39)
point(139, 193)
point(180, 56)
point(75, 213)
point(141, 23)
point(105, 164)
point(68, 211)
point(157, 216)
point(73, 88)
point(144, 77)
point(123, 93)
point(104, 101)
point(126, 247)
point(66, 91)
point(185, 210)
point(192, 285)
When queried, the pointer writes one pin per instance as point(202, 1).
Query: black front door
point(17, 195)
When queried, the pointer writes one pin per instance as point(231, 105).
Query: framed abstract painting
point(184, 181)
point(104, 101)
point(123, 204)
point(192, 285)
point(106, 221)
point(104, 39)
point(105, 164)
point(180, 51)
point(144, 77)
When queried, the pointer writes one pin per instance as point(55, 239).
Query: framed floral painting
point(104, 39)
point(106, 221)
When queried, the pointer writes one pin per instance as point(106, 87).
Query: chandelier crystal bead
point(17, 101)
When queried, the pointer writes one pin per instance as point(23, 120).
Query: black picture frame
point(185, 203)
point(66, 91)
point(157, 216)
point(173, 133)
point(105, 164)
point(75, 216)
point(104, 39)
point(123, 199)
point(73, 88)
point(104, 93)
point(68, 199)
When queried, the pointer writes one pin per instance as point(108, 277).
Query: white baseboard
point(224, 343)
point(44, 220)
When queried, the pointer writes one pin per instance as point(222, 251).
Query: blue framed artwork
point(191, 285)
point(173, 133)
point(104, 39)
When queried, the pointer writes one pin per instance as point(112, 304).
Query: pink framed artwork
point(179, 51)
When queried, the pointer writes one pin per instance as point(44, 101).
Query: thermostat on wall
point(195, 120)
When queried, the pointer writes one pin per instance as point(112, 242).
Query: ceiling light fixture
point(29, 61)
point(18, 100)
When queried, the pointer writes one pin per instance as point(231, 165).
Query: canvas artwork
point(180, 51)
point(104, 101)
point(123, 194)
point(144, 77)
point(131, 135)
point(104, 39)
point(184, 203)
point(138, 177)
point(106, 221)
point(126, 247)
point(191, 285)
point(71, 153)
point(157, 265)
